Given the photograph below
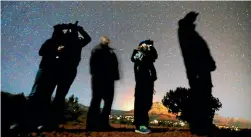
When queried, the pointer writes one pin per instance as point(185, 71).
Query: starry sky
point(226, 26)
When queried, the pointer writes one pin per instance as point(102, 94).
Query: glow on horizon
point(225, 26)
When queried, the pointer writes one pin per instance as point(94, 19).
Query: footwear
point(143, 130)
point(14, 126)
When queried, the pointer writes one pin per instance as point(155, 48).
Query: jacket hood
point(185, 24)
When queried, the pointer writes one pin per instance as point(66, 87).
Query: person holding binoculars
point(61, 55)
point(145, 75)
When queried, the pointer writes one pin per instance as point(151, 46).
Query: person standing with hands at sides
point(60, 57)
point(199, 65)
point(145, 75)
point(104, 70)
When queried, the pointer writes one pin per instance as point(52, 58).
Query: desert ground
point(71, 130)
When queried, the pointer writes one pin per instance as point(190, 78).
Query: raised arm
point(87, 38)
point(133, 54)
point(154, 53)
point(137, 56)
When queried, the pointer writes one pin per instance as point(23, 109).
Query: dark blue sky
point(226, 26)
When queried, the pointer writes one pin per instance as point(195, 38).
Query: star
point(225, 26)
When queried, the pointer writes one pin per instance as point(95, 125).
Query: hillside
point(160, 112)
point(243, 123)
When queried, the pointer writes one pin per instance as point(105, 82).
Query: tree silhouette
point(177, 101)
point(72, 109)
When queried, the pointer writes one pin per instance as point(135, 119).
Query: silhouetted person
point(145, 75)
point(61, 55)
point(71, 56)
point(199, 65)
point(104, 71)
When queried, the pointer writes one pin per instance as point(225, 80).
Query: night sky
point(226, 26)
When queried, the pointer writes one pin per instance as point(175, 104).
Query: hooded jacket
point(70, 56)
point(194, 48)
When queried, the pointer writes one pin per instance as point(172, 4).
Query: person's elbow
point(156, 57)
point(86, 41)
point(132, 59)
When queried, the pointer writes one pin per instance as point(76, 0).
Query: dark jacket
point(143, 64)
point(69, 57)
point(104, 63)
point(194, 48)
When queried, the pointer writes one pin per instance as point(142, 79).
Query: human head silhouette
point(58, 31)
point(148, 42)
point(104, 40)
point(191, 17)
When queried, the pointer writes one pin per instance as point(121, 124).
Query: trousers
point(39, 108)
point(102, 89)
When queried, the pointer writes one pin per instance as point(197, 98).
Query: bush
point(13, 108)
point(178, 102)
point(72, 109)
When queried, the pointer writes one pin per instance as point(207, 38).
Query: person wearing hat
point(145, 75)
point(199, 64)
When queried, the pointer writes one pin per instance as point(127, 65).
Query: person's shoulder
point(49, 41)
point(96, 48)
point(136, 50)
point(111, 49)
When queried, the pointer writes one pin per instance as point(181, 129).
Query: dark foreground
point(78, 130)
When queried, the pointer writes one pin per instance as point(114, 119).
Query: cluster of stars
point(224, 25)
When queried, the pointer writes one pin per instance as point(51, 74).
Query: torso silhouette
point(104, 63)
point(199, 64)
point(69, 57)
point(143, 64)
point(194, 49)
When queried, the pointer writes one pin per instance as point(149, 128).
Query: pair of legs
point(143, 102)
point(102, 88)
point(201, 86)
point(39, 102)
